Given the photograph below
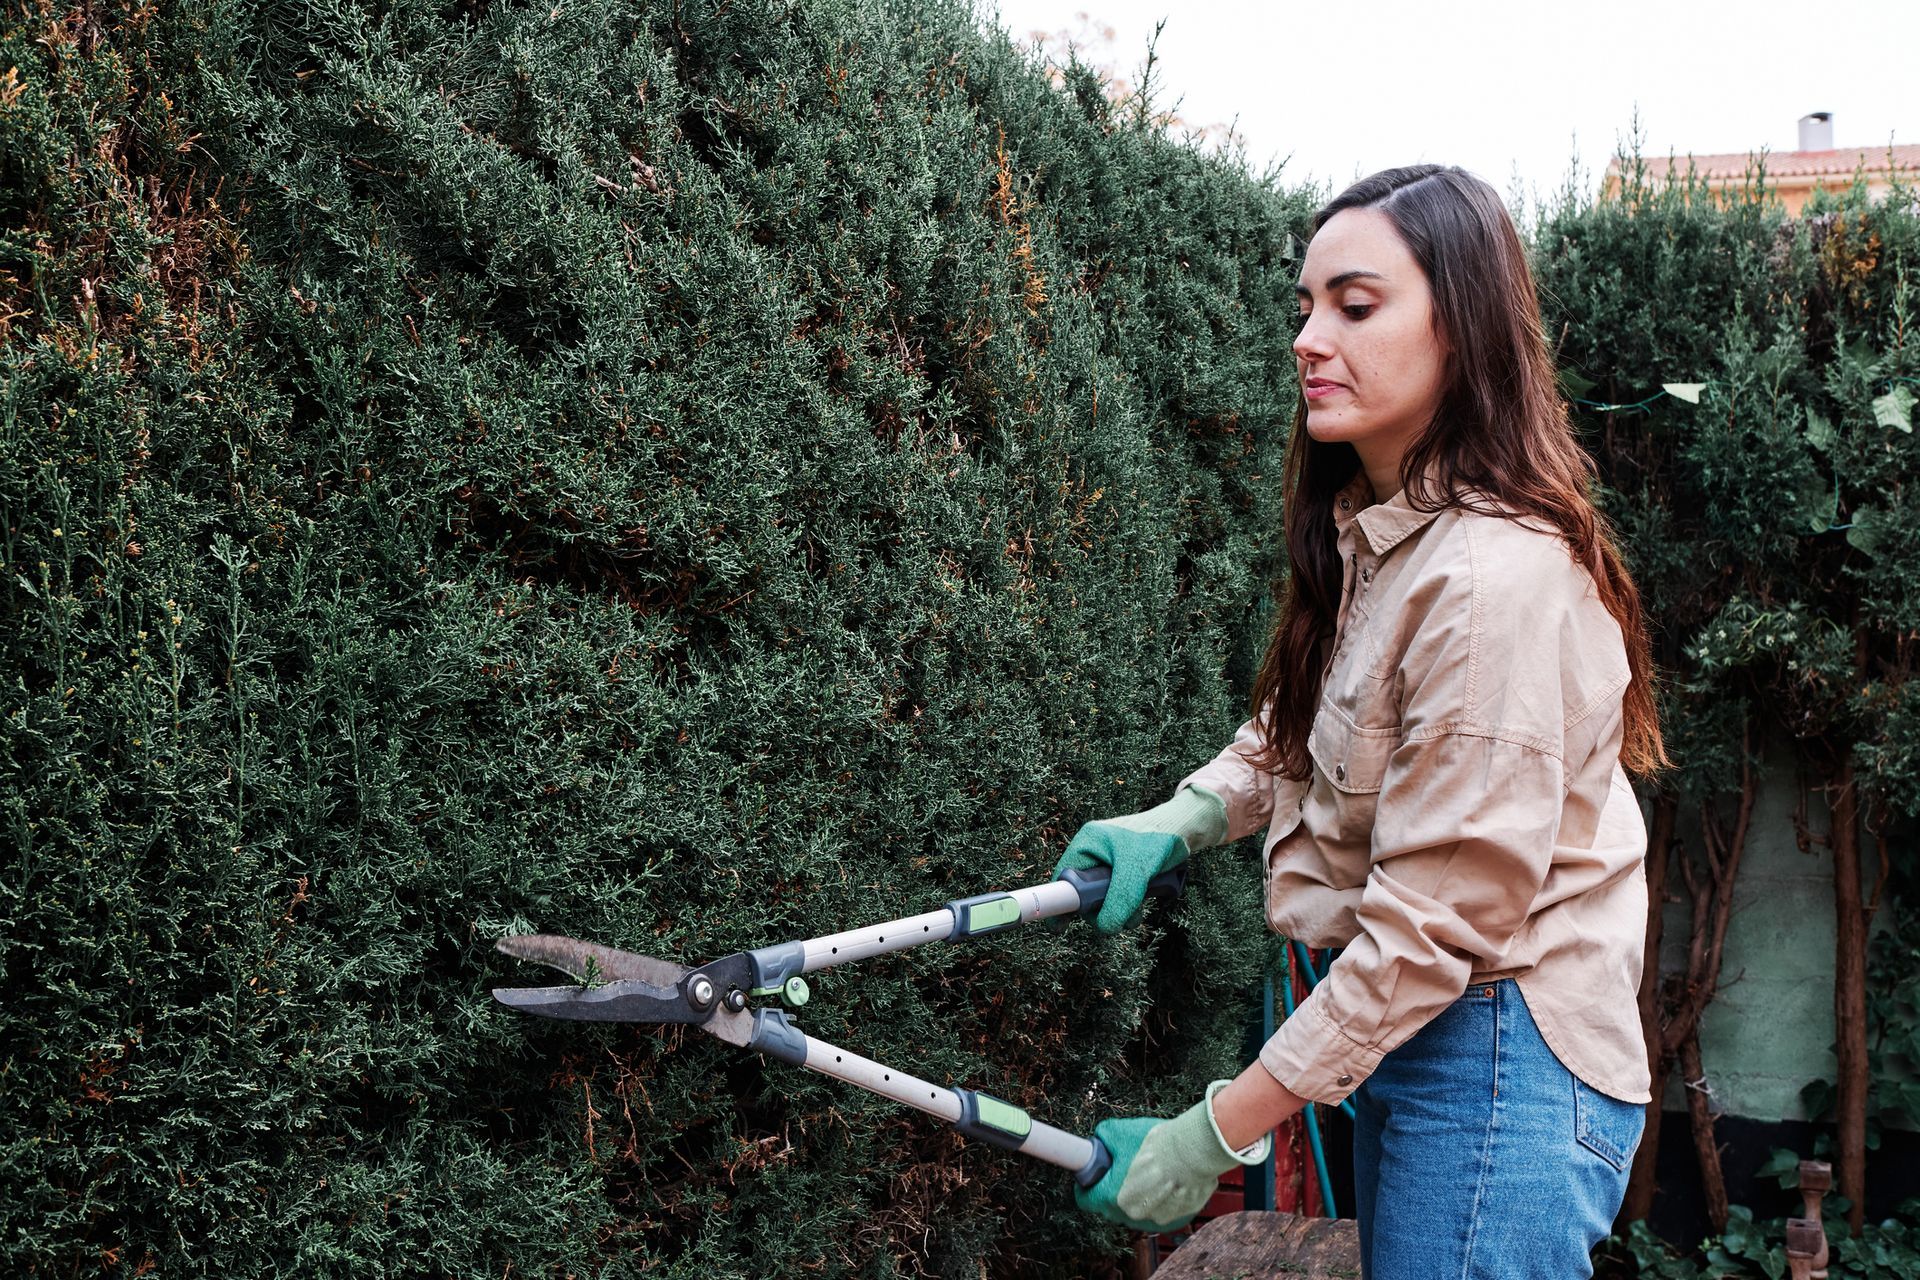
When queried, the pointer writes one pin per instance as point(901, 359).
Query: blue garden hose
point(1313, 1122)
point(1313, 980)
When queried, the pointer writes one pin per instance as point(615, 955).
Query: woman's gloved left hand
point(1164, 1171)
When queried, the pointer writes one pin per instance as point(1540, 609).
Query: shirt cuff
point(1315, 1059)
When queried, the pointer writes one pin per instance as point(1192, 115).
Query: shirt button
point(1344, 1080)
point(1340, 772)
point(1366, 575)
point(1345, 505)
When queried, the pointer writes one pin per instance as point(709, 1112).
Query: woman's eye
point(1353, 311)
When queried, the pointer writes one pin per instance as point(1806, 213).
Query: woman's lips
point(1322, 391)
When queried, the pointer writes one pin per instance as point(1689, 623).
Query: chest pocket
point(1353, 759)
point(1350, 763)
point(1363, 677)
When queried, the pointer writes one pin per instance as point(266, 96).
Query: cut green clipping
point(1004, 1116)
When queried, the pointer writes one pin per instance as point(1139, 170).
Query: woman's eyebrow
point(1344, 277)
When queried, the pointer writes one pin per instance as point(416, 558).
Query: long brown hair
point(1501, 430)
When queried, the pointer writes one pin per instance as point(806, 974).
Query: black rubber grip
point(1096, 1166)
point(1091, 884)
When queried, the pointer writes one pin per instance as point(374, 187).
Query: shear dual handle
point(979, 1116)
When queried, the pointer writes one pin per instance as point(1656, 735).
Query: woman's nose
point(1309, 345)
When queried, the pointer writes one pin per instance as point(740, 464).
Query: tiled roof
point(1839, 163)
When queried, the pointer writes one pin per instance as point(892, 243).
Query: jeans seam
point(1486, 1148)
point(1499, 1008)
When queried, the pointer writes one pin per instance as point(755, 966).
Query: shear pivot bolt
point(736, 999)
point(700, 991)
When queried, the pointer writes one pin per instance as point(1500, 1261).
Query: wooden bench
point(1256, 1245)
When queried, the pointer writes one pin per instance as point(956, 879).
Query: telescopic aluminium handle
point(1076, 893)
point(979, 1116)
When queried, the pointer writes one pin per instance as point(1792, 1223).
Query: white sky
point(1507, 90)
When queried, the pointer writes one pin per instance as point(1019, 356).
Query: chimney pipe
point(1816, 131)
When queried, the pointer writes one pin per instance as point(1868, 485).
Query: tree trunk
point(1640, 1187)
point(1849, 998)
point(1710, 892)
point(1713, 1182)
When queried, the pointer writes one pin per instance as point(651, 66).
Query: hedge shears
point(619, 986)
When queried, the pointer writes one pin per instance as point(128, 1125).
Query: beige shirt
point(1467, 818)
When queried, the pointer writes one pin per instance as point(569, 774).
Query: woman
point(1454, 694)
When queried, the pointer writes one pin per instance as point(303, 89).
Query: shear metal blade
point(585, 960)
point(627, 1000)
point(633, 988)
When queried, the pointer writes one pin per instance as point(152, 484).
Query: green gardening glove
point(1139, 846)
point(1164, 1171)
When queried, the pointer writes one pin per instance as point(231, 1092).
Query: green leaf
point(1821, 502)
point(1820, 432)
point(1574, 385)
point(1784, 1164)
point(1859, 359)
point(1868, 532)
point(1895, 409)
point(1688, 391)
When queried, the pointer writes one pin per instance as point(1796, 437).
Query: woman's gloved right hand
point(1139, 846)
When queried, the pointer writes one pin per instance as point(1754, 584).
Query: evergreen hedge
point(696, 476)
point(690, 476)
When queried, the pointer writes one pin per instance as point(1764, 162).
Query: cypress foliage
point(689, 476)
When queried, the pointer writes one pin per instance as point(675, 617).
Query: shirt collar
point(1385, 524)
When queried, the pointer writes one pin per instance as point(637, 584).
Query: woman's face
point(1370, 366)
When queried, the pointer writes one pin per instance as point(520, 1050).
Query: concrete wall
point(1770, 1029)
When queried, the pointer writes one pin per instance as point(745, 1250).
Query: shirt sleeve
point(1247, 792)
point(1463, 837)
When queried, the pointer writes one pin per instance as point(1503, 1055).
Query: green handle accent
point(796, 992)
point(1004, 1116)
point(992, 1121)
point(983, 913)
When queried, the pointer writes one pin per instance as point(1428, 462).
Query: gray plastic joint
point(1096, 1166)
point(772, 966)
point(774, 1036)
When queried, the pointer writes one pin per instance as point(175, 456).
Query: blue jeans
point(1477, 1155)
